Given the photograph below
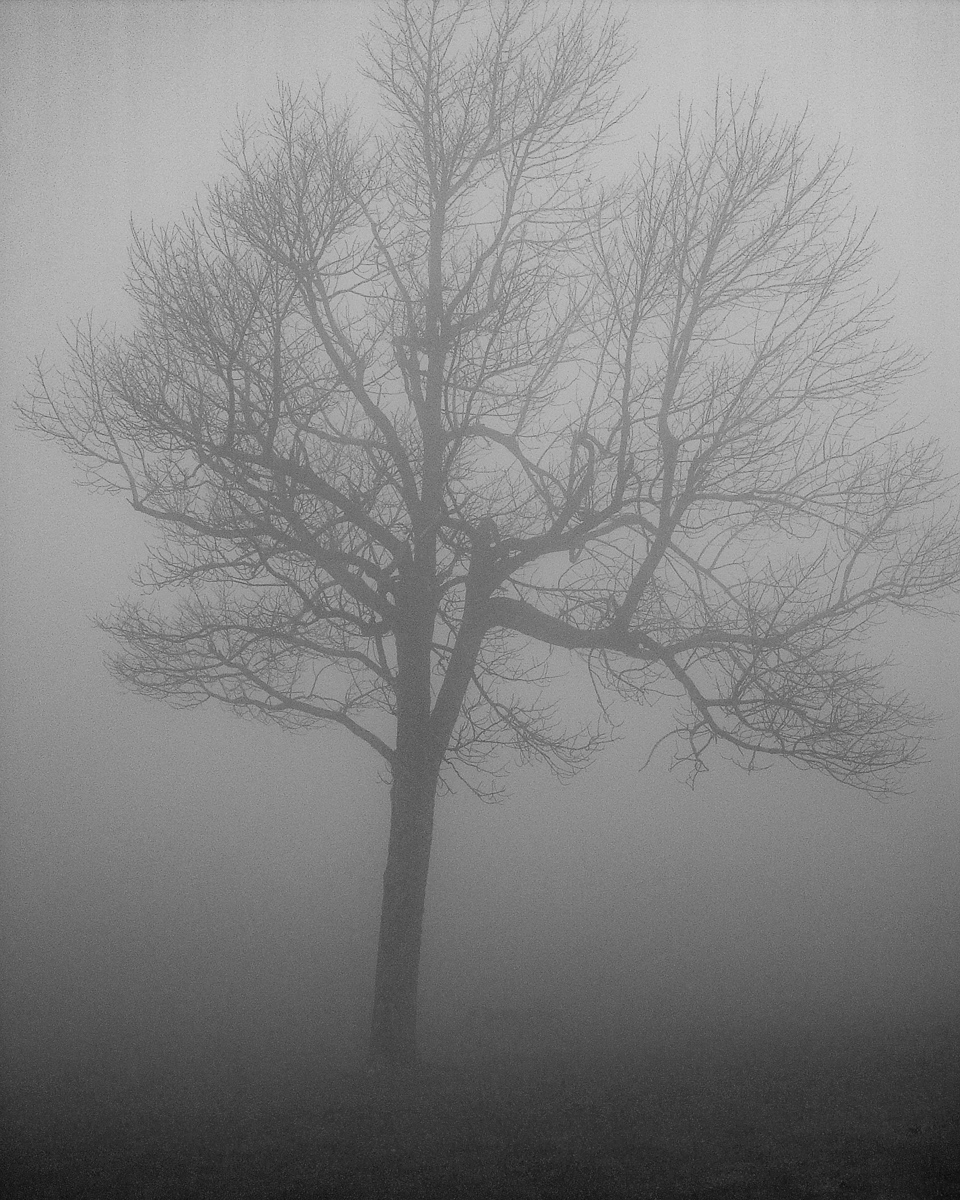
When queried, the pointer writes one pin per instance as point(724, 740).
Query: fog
point(190, 896)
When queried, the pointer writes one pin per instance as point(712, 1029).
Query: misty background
point(184, 883)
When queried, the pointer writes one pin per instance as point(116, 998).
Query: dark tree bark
point(393, 1042)
point(416, 772)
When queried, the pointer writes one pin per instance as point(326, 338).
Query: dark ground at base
point(839, 1121)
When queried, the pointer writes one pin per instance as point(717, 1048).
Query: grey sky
point(117, 109)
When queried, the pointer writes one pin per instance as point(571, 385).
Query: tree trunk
point(393, 1042)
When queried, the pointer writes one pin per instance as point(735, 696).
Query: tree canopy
point(427, 411)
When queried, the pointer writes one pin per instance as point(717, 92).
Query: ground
point(830, 1116)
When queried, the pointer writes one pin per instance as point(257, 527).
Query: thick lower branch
point(524, 618)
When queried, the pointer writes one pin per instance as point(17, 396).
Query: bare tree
point(425, 418)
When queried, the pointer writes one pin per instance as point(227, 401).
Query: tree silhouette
point(427, 417)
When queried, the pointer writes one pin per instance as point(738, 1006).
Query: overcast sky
point(114, 807)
